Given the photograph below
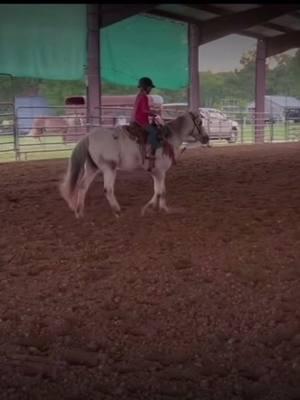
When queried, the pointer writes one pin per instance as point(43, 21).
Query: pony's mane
point(178, 119)
point(176, 124)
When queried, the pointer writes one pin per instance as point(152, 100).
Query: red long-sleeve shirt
point(141, 110)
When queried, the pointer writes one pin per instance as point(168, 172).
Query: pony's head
point(188, 125)
point(198, 131)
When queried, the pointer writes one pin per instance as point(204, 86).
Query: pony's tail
point(75, 171)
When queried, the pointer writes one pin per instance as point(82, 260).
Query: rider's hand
point(158, 120)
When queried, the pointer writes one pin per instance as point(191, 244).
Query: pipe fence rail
point(28, 133)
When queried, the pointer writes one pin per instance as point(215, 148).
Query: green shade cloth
point(49, 41)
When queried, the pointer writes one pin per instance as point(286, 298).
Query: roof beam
point(281, 43)
point(235, 23)
point(222, 11)
point(295, 14)
point(178, 17)
point(112, 13)
point(279, 28)
point(191, 20)
point(211, 8)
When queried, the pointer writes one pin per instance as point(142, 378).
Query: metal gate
point(7, 120)
point(293, 129)
point(7, 130)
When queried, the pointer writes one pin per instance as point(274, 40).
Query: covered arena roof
point(278, 24)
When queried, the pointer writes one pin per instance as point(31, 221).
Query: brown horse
point(52, 125)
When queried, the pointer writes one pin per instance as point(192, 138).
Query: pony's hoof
point(144, 211)
point(78, 215)
point(173, 210)
point(149, 208)
point(117, 214)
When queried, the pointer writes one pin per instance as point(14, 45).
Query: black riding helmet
point(145, 82)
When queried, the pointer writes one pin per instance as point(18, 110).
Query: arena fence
point(54, 133)
point(7, 132)
point(260, 128)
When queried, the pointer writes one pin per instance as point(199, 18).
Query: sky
point(224, 54)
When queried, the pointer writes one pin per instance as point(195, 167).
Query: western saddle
point(140, 135)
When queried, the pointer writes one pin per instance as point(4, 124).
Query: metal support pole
point(194, 37)
point(93, 64)
point(260, 90)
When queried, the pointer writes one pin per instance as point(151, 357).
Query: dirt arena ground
point(201, 305)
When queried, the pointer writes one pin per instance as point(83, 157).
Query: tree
point(283, 79)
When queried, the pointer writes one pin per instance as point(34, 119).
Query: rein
point(196, 125)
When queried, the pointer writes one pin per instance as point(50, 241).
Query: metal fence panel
point(7, 131)
point(55, 136)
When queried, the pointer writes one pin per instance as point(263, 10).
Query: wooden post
point(93, 64)
point(194, 99)
point(260, 90)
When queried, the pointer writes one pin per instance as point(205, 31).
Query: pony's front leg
point(159, 193)
point(109, 177)
point(163, 195)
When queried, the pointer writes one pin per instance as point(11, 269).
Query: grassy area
point(51, 147)
point(7, 145)
point(278, 132)
point(32, 149)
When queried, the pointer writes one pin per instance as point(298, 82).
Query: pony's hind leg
point(89, 174)
point(109, 177)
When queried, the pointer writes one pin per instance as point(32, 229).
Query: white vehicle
point(217, 124)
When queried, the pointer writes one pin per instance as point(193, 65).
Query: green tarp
point(43, 40)
point(49, 41)
point(142, 46)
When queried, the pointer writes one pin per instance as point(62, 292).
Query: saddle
point(140, 135)
point(137, 133)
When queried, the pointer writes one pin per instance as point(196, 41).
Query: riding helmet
point(145, 82)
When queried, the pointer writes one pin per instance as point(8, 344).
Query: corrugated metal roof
point(291, 21)
point(237, 7)
point(179, 10)
point(262, 30)
point(286, 23)
point(260, 21)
